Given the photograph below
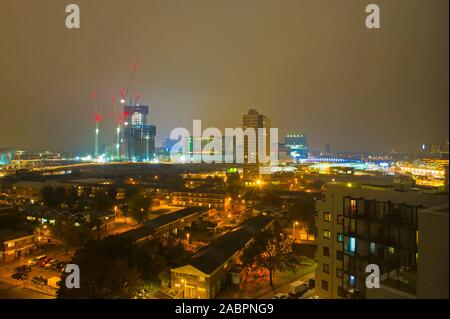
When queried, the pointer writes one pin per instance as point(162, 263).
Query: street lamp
point(293, 229)
point(187, 237)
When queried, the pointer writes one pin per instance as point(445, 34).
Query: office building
point(254, 120)
point(358, 225)
point(298, 146)
point(139, 137)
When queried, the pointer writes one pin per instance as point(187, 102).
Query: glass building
point(298, 146)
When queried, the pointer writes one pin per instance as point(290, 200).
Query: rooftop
point(152, 225)
point(213, 256)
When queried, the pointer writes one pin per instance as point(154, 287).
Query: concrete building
point(139, 137)
point(206, 274)
point(15, 244)
point(359, 225)
point(201, 197)
point(255, 121)
point(165, 224)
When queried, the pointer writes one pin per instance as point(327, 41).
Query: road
point(11, 292)
point(285, 288)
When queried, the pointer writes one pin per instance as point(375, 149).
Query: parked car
point(39, 280)
point(60, 266)
point(281, 296)
point(51, 263)
point(298, 288)
point(312, 283)
point(19, 276)
point(36, 260)
point(23, 268)
point(44, 261)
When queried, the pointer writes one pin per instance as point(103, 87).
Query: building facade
point(298, 146)
point(358, 225)
point(139, 137)
point(255, 121)
point(15, 245)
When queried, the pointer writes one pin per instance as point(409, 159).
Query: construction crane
point(119, 118)
point(124, 93)
point(97, 120)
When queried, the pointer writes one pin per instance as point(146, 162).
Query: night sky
point(310, 65)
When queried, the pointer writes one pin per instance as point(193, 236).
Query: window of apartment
point(340, 237)
point(327, 234)
point(351, 281)
point(327, 217)
point(326, 251)
point(391, 250)
point(373, 248)
point(340, 219)
point(351, 244)
point(326, 268)
point(353, 206)
point(339, 273)
point(10, 244)
point(324, 285)
point(339, 255)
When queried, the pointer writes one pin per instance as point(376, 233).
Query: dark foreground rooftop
point(210, 258)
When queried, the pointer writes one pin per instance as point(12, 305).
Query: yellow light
point(349, 184)
point(258, 182)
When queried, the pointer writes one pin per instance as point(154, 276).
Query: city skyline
point(352, 88)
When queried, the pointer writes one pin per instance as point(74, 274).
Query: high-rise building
point(6, 156)
point(298, 146)
point(256, 121)
point(139, 137)
point(358, 225)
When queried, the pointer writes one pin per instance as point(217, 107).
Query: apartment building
point(359, 225)
point(201, 197)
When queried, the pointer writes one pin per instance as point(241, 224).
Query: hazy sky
point(310, 65)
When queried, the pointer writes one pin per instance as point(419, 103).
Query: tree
point(271, 249)
point(108, 269)
point(59, 194)
point(52, 197)
point(101, 202)
point(73, 236)
point(46, 193)
point(303, 209)
point(72, 196)
point(139, 206)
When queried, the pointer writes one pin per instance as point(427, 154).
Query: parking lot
point(9, 268)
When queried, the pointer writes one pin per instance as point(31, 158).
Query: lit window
point(352, 281)
point(326, 234)
point(391, 250)
point(327, 217)
point(11, 244)
point(340, 237)
point(353, 206)
point(352, 244)
point(373, 248)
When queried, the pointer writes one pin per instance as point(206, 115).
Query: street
point(8, 291)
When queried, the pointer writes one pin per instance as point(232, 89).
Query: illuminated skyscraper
point(139, 138)
point(298, 146)
point(255, 120)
